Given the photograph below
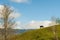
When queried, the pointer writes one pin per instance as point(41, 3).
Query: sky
point(34, 11)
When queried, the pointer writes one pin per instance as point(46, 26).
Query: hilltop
point(39, 34)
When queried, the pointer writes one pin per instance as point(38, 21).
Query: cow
point(41, 26)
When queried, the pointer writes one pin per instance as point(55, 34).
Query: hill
point(40, 34)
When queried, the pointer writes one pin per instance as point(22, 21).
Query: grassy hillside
point(39, 34)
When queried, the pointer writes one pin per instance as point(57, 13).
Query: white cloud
point(21, 1)
point(18, 26)
point(1, 8)
point(34, 24)
point(14, 14)
point(37, 24)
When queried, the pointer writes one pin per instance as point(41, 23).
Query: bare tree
point(58, 21)
point(54, 28)
point(7, 21)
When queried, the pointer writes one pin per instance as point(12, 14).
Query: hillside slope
point(40, 34)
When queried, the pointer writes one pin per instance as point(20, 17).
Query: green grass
point(39, 34)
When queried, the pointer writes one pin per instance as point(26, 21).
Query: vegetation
point(39, 34)
point(7, 22)
point(58, 20)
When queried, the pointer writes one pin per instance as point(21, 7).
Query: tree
point(54, 28)
point(58, 20)
point(6, 20)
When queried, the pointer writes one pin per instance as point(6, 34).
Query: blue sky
point(35, 9)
